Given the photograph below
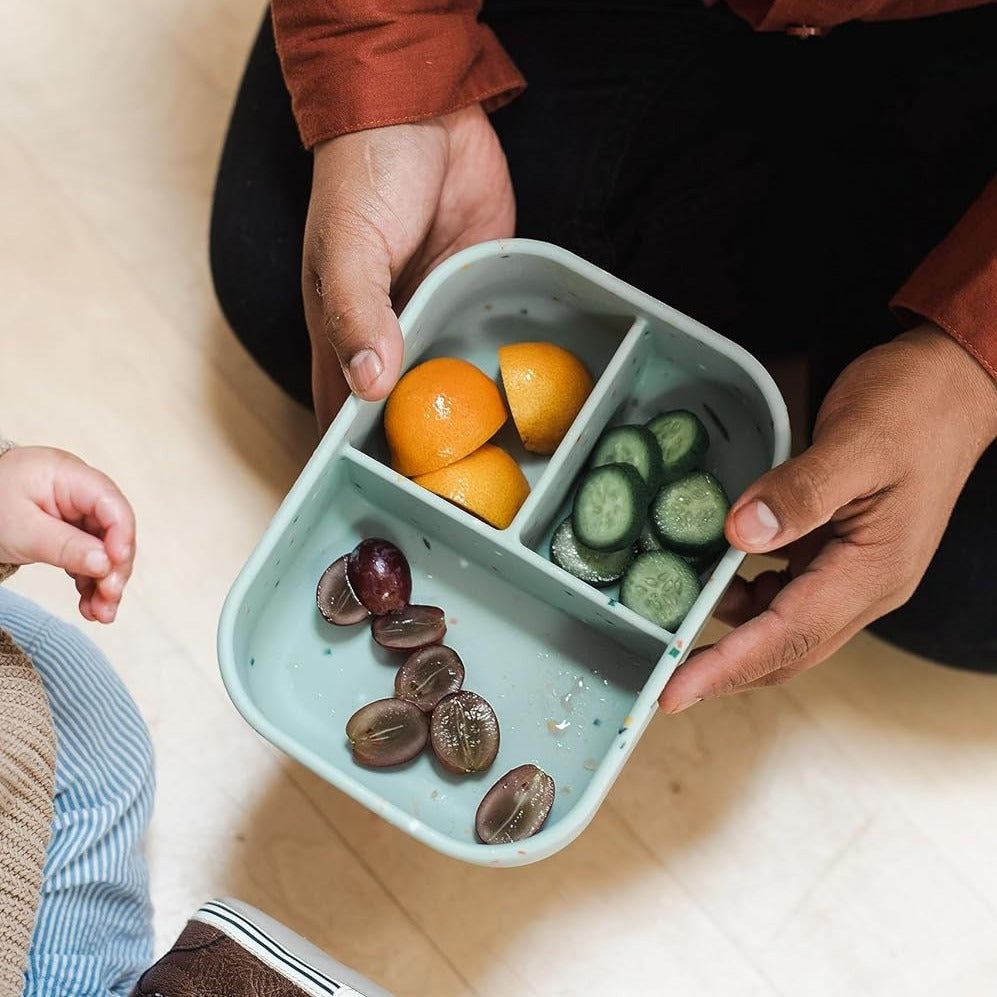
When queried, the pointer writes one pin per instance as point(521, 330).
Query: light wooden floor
point(832, 837)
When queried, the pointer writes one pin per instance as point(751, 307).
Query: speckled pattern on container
point(573, 675)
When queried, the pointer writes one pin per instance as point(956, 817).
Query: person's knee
point(257, 226)
point(255, 259)
point(941, 627)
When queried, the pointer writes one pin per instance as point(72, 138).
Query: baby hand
point(55, 509)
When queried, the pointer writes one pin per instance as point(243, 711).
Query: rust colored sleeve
point(956, 285)
point(777, 15)
point(356, 64)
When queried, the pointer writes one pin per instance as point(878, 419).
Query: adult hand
point(858, 515)
point(387, 205)
point(55, 509)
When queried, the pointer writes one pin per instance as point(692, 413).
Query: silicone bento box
point(572, 675)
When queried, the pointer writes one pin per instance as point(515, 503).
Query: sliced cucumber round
point(661, 587)
point(688, 515)
point(683, 440)
point(597, 567)
point(610, 507)
point(634, 445)
point(648, 539)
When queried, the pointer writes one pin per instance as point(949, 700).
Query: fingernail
point(756, 523)
point(686, 705)
point(96, 562)
point(365, 369)
point(111, 584)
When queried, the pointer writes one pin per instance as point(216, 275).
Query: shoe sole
point(297, 960)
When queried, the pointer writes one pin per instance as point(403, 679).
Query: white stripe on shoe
point(275, 945)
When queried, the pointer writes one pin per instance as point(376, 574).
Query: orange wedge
point(487, 482)
point(439, 412)
point(546, 386)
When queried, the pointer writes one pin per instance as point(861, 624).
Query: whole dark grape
point(379, 575)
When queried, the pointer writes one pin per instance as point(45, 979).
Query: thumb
point(52, 541)
point(346, 288)
point(800, 495)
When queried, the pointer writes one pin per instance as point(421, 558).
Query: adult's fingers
point(801, 495)
point(352, 312)
point(329, 387)
point(806, 621)
point(745, 599)
point(346, 284)
point(828, 648)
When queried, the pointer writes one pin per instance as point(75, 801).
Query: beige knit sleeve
point(6, 570)
point(27, 787)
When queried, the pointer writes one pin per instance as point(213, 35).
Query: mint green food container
point(572, 675)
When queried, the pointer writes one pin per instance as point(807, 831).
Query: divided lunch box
point(573, 676)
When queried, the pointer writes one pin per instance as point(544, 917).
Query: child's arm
point(55, 509)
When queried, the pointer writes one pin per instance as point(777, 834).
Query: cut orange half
point(487, 482)
point(439, 412)
point(546, 386)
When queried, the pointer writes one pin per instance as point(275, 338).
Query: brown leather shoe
point(230, 949)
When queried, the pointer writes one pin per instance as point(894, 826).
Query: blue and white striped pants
point(93, 935)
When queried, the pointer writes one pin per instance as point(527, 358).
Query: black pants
point(779, 190)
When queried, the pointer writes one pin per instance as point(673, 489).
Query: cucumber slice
point(648, 539)
point(683, 440)
point(610, 507)
point(688, 515)
point(596, 567)
point(661, 587)
point(634, 445)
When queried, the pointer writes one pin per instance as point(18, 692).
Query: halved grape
point(335, 597)
point(380, 575)
point(387, 732)
point(464, 733)
point(410, 627)
point(516, 807)
point(429, 675)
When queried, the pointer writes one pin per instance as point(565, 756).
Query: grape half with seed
point(408, 628)
point(516, 807)
point(387, 732)
point(464, 733)
point(335, 597)
point(429, 675)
